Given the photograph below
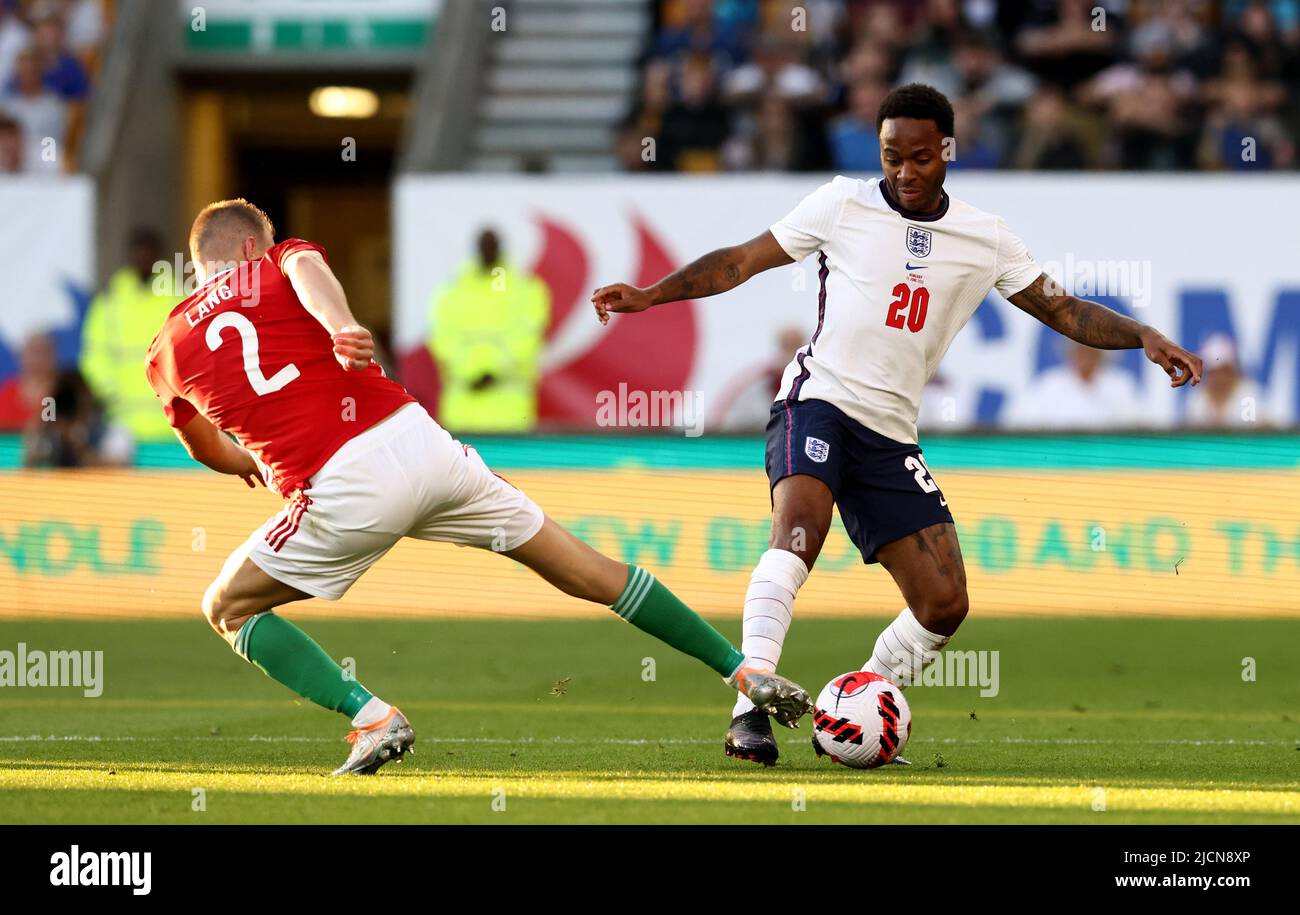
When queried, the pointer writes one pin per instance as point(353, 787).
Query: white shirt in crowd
point(1061, 399)
point(1243, 410)
point(44, 123)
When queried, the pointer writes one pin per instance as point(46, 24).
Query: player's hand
point(354, 347)
point(1180, 365)
point(249, 472)
point(620, 298)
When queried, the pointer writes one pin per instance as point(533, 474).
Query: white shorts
point(404, 477)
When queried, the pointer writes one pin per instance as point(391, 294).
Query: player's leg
point(928, 569)
point(357, 507)
point(803, 454)
point(239, 605)
point(639, 598)
point(802, 507)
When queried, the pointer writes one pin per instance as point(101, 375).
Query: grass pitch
point(1096, 721)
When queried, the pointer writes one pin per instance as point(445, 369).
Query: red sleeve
point(177, 409)
point(279, 252)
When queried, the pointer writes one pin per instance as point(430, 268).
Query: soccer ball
point(861, 720)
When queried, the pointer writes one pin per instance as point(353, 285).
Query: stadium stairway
point(556, 82)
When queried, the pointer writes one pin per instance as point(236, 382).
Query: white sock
point(769, 603)
point(373, 711)
point(904, 649)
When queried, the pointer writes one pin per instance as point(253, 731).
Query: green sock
point(652, 608)
point(288, 655)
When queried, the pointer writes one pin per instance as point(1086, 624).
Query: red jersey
point(245, 353)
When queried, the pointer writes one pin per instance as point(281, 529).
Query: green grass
point(1154, 713)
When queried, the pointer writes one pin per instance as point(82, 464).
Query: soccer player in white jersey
point(902, 267)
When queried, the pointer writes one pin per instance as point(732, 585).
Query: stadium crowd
point(49, 53)
point(794, 85)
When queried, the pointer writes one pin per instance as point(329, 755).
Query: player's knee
point(943, 612)
point(222, 610)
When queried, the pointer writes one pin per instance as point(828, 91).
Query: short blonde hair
point(223, 224)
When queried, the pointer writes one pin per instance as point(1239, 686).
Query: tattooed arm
point(715, 272)
point(1093, 324)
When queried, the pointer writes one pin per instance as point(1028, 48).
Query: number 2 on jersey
point(916, 302)
point(248, 340)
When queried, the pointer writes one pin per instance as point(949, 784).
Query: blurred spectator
point(11, 145)
point(21, 394)
point(868, 62)
point(1064, 47)
point(489, 327)
point(1049, 139)
point(745, 403)
point(778, 100)
point(993, 88)
point(120, 325)
point(1083, 393)
point(77, 434)
point(1225, 398)
point(1239, 134)
point(776, 70)
point(85, 28)
point(771, 141)
point(694, 125)
point(41, 114)
point(646, 122)
point(1243, 127)
point(1257, 27)
point(929, 60)
point(855, 145)
point(973, 148)
point(14, 37)
point(1285, 15)
point(61, 71)
point(697, 31)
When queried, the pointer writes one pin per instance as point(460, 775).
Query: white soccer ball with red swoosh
point(861, 720)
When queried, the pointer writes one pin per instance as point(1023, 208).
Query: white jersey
point(894, 291)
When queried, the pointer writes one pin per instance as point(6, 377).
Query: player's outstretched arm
point(322, 295)
point(210, 446)
point(1093, 324)
point(715, 272)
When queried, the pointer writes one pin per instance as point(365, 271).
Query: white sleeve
point(1015, 268)
point(809, 225)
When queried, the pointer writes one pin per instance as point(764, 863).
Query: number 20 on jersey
point(908, 308)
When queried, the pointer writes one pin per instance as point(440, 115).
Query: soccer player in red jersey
point(267, 351)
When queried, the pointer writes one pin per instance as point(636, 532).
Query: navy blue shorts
point(882, 487)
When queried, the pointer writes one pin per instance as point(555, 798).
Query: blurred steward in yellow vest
point(120, 325)
point(489, 328)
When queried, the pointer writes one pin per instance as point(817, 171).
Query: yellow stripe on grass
point(567, 705)
point(866, 791)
